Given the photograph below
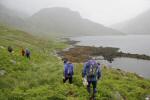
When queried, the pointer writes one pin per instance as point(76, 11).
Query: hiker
point(10, 49)
point(22, 52)
point(68, 71)
point(91, 73)
point(27, 53)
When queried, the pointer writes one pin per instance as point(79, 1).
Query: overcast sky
point(106, 12)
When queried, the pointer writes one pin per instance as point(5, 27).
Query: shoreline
point(82, 53)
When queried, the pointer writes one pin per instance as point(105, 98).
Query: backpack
point(69, 69)
point(92, 72)
point(27, 52)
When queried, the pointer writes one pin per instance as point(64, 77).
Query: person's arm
point(72, 69)
point(99, 72)
point(65, 68)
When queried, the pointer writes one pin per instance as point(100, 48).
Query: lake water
point(136, 44)
point(139, 44)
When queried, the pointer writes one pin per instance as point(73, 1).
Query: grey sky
point(106, 12)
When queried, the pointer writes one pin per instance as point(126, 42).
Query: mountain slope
point(138, 25)
point(63, 21)
point(40, 78)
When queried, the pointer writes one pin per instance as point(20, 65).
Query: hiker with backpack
point(68, 71)
point(91, 73)
point(27, 53)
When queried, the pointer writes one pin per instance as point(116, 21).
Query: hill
point(138, 25)
point(55, 21)
point(65, 22)
point(40, 78)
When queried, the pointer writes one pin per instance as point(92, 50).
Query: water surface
point(136, 44)
point(141, 67)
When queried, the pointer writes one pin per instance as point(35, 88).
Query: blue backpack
point(27, 52)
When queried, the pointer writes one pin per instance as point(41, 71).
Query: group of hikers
point(24, 52)
point(91, 73)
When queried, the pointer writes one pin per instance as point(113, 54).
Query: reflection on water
point(141, 67)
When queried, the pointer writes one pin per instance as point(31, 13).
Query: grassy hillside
point(40, 78)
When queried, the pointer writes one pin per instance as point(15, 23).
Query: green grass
point(40, 78)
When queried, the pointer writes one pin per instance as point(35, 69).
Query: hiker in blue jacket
point(68, 71)
point(91, 72)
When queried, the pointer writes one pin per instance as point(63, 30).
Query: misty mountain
point(138, 25)
point(63, 21)
point(54, 21)
point(10, 17)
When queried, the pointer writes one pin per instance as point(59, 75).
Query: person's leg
point(28, 56)
point(94, 83)
point(65, 79)
point(70, 80)
point(88, 87)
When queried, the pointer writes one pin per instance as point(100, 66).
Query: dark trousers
point(28, 56)
point(66, 78)
point(94, 84)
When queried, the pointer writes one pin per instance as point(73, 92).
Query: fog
point(106, 12)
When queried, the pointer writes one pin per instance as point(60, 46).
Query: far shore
point(82, 53)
